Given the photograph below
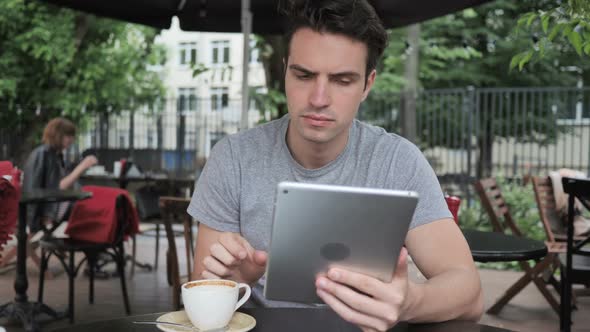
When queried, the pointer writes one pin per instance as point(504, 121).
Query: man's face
point(324, 84)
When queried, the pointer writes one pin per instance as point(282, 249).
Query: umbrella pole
point(246, 29)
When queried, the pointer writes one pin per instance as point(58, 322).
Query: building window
point(151, 141)
point(220, 51)
point(187, 99)
point(122, 141)
point(219, 99)
point(187, 53)
point(190, 140)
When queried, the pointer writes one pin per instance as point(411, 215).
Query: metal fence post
point(131, 133)
point(180, 143)
point(104, 131)
point(160, 140)
point(469, 107)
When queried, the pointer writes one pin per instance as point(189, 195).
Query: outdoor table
point(499, 247)
point(123, 181)
point(21, 309)
point(284, 320)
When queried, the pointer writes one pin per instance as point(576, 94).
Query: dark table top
point(142, 177)
point(499, 247)
point(284, 320)
point(53, 196)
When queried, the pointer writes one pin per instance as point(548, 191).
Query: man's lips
point(317, 120)
point(318, 117)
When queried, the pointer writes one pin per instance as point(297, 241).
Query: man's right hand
point(232, 257)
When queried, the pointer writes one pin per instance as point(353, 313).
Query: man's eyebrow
point(301, 69)
point(349, 74)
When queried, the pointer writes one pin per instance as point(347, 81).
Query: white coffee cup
point(210, 304)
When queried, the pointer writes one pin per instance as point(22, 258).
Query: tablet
point(316, 227)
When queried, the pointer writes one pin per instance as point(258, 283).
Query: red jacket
point(95, 219)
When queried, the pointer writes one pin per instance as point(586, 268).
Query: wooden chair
point(174, 211)
point(555, 230)
point(147, 204)
point(502, 221)
point(575, 263)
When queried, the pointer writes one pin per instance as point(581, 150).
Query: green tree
point(475, 47)
point(56, 61)
point(566, 21)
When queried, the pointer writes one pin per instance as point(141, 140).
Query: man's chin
point(317, 139)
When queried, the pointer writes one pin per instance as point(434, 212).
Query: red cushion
point(95, 219)
point(8, 209)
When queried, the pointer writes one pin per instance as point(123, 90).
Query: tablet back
point(319, 226)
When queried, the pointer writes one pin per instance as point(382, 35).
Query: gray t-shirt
point(235, 192)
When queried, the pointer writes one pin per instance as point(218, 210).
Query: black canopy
point(225, 15)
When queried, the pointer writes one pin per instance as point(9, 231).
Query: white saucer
point(240, 322)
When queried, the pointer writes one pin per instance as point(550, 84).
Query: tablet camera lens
point(285, 191)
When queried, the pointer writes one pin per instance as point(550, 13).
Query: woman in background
point(46, 169)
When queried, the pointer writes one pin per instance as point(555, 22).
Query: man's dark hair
point(355, 19)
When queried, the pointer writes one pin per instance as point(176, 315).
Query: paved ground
point(149, 292)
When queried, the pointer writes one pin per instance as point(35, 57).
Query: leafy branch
point(569, 22)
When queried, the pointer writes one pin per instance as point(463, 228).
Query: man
point(330, 69)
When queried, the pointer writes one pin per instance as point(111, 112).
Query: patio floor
point(149, 292)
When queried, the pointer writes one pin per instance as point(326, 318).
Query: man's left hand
point(366, 301)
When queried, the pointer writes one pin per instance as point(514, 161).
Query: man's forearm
point(455, 294)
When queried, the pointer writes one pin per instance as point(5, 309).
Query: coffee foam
point(211, 283)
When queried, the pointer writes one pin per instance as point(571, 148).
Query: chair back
point(147, 201)
point(106, 217)
point(174, 210)
point(122, 205)
point(545, 199)
point(492, 200)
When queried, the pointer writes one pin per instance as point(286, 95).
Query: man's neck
point(313, 155)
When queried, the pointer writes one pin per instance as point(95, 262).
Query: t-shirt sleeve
point(431, 202)
point(215, 201)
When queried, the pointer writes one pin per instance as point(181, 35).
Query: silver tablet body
point(316, 227)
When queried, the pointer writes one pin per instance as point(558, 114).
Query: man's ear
point(369, 83)
point(284, 67)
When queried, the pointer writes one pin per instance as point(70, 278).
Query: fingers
point(220, 253)
point(401, 270)
point(363, 283)
point(213, 266)
point(354, 300)
point(350, 315)
point(228, 254)
point(235, 245)
point(260, 257)
point(91, 160)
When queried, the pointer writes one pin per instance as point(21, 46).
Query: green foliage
point(61, 62)
point(198, 69)
point(269, 103)
point(566, 22)
point(521, 202)
point(475, 47)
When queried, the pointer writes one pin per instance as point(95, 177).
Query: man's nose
point(320, 94)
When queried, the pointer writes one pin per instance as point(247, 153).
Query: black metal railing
point(465, 133)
